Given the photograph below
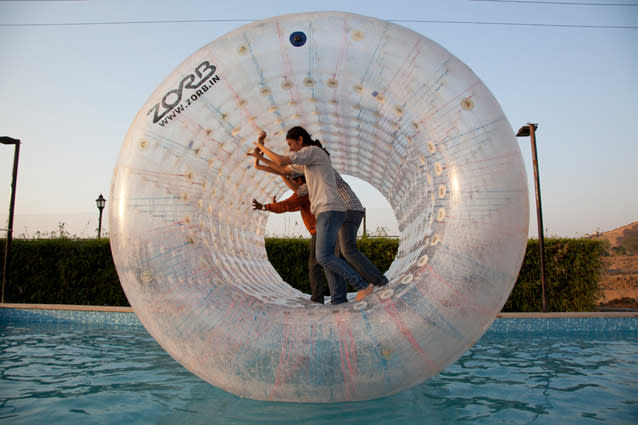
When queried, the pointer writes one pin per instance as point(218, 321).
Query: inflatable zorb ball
point(394, 109)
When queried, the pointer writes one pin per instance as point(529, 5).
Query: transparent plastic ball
point(394, 109)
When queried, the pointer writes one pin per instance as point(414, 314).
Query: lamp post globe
point(100, 202)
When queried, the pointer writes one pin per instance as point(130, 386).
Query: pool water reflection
point(78, 373)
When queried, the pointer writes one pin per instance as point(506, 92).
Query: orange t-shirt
point(296, 203)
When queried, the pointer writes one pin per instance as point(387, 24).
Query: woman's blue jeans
point(337, 270)
point(347, 247)
point(315, 274)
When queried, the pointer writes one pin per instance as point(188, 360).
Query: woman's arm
point(273, 156)
point(266, 168)
point(282, 170)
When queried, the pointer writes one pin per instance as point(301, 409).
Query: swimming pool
point(91, 367)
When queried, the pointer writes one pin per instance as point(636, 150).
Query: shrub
point(81, 271)
point(63, 271)
point(572, 273)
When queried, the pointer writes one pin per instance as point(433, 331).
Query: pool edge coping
point(534, 315)
point(70, 307)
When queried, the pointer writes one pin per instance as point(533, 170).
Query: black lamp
point(529, 130)
point(101, 202)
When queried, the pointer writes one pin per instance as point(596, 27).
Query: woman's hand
point(262, 137)
point(273, 156)
point(256, 153)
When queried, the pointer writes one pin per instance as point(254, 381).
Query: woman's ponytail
point(318, 144)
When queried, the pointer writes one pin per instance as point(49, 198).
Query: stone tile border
point(554, 315)
point(515, 324)
point(568, 315)
point(76, 314)
point(67, 307)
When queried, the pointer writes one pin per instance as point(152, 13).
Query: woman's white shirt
point(320, 177)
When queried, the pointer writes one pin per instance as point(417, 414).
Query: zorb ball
point(394, 109)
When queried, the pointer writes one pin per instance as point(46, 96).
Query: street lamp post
point(101, 202)
point(525, 131)
point(14, 180)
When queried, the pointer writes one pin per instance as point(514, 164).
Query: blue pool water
point(523, 371)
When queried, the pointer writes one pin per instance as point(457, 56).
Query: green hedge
point(290, 257)
point(72, 271)
point(62, 271)
point(572, 272)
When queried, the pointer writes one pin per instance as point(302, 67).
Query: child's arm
point(291, 204)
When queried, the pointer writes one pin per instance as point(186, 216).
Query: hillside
point(619, 282)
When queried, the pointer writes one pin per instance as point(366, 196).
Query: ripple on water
point(77, 374)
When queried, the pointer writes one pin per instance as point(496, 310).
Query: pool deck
point(553, 315)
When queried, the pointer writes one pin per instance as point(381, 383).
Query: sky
point(75, 73)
